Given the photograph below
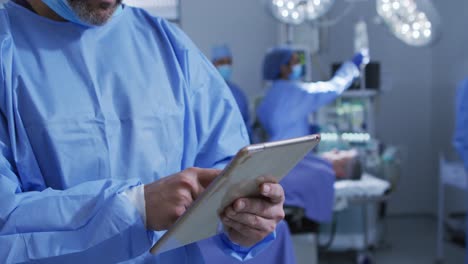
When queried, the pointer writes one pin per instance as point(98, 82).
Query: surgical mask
point(225, 71)
point(296, 72)
point(63, 9)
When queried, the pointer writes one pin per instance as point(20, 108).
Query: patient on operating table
point(345, 163)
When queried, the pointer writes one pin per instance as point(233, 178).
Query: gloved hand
point(361, 58)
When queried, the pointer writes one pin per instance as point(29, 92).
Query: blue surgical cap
point(220, 51)
point(274, 59)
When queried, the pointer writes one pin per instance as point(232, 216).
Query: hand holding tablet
point(250, 168)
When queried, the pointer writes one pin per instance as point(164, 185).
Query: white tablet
point(252, 166)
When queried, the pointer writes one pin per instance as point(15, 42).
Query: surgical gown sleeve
point(322, 93)
point(43, 225)
point(218, 127)
point(461, 126)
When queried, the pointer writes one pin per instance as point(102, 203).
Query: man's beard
point(90, 14)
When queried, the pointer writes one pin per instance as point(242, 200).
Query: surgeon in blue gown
point(461, 129)
point(284, 112)
point(112, 123)
point(222, 59)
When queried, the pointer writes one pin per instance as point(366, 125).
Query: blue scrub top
point(281, 250)
point(86, 114)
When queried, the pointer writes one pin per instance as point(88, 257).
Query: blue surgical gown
point(281, 251)
point(242, 103)
point(86, 114)
point(284, 113)
point(461, 130)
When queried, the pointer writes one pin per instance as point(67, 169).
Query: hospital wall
point(415, 108)
point(242, 24)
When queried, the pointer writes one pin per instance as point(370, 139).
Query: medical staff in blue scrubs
point(284, 112)
point(288, 102)
point(461, 129)
point(112, 123)
point(221, 56)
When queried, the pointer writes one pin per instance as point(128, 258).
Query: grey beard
point(87, 14)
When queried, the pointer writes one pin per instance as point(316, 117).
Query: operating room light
point(288, 11)
point(415, 22)
point(297, 11)
point(409, 20)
